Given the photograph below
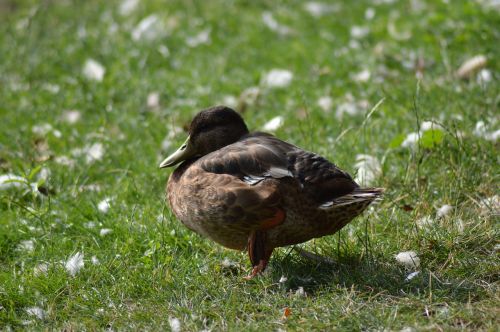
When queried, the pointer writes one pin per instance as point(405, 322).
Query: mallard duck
point(254, 191)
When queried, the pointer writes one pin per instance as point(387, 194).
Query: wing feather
point(259, 156)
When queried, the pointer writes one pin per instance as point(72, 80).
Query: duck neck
point(179, 171)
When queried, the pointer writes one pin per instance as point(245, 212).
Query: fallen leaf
point(407, 208)
point(471, 66)
point(286, 313)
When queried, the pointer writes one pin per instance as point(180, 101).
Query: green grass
point(151, 267)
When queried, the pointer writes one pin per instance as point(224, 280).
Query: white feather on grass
point(93, 70)
point(74, 264)
point(37, 312)
point(175, 324)
point(277, 78)
point(409, 259)
point(369, 169)
point(274, 124)
point(444, 210)
point(104, 205)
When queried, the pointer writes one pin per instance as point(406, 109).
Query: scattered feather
point(93, 70)
point(95, 260)
point(104, 205)
point(369, 13)
point(8, 181)
point(425, 222)
point(318, 9)
point(148, 29)
point(408, 329)
point(57, 133)
point(481, 130)
point(74, 264)
point(175, 324)
point(351, 107)
point(489, 4)
point(11, 181)
point(52, 88)
point(230, 101)
point(153, 100)
point(163, 49)
point(273, 124)
point(41, 269)
point(203, 37)
point(37, 312)
point(283, 279)
point(460, 225)
point(227, 263)
point(273, 25)
point(127, 7)
point(89, 224)
point(71, 116)
point(300, 292)
point(397, 35)
point(490, 205)
point(348, 107)
point(325, 103)
point(277, 78)
point(369, 169)
point(65, 161)
point(90, 187)
point(105, 231)
point(358, 32)
point(94, 152)
point(444, 210)
point(41, 129)
point(411, 140)
point(26, 245)
point(409, 259)
point(44, 174)
point(412, 275)
point(362, 76)
point(428, 125)
point(484, 76)
point(471, 66)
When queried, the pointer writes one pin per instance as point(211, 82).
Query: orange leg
point(258, 248)
point(258, 253)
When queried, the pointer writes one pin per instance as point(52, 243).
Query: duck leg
point(258, 252)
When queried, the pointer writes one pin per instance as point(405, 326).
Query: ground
point(95, 93)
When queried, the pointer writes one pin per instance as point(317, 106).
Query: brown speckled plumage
point(258, 192)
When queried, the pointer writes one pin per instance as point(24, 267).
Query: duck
point(253, 191)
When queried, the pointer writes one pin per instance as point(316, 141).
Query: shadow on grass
point(369, 276)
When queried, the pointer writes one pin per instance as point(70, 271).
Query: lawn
point(94, 94)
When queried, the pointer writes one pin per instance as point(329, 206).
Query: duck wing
point(259, 156)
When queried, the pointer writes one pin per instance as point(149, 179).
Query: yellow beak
point(186, 151)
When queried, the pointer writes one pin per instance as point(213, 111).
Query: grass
point(151, 268)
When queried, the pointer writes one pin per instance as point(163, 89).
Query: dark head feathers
point(217, 116)
point(216, 127)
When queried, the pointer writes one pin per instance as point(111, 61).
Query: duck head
point(210, 130)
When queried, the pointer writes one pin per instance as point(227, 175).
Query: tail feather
point(359, 195)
